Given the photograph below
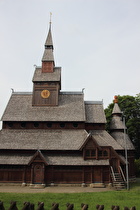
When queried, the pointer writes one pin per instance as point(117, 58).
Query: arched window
point(105, 153)
point(87, 153)
point(90, 153)
point(93, 153)
point(100, 153)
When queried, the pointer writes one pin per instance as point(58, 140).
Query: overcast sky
point(96, 42)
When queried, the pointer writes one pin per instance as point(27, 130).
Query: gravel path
point(27, 189)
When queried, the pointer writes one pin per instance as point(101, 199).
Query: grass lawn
point(122, 198)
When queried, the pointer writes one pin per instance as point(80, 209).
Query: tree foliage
point(137, 167)
point(130, 106)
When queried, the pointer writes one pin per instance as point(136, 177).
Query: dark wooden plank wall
point(51, 125)
point(57, 175)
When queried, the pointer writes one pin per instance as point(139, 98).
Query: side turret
point(116, 121)
point(117, 127)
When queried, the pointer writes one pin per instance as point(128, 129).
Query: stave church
point(53, 137)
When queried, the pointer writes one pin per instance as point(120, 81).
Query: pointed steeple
point(48, 58)
point(49, 42)
point(116, 109)
point(116, 122)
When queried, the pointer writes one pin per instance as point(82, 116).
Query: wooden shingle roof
point(14, 159)
point(103, 138)
point(67, 160)
point(73, 160)
point(42, 139)
point(95, 112)
point(43, 77)
point(71, 108)
point(48, 55)
point(48, 52)
point(116, 109)
point(124, 141)
point(49, 41)
point(117, 123)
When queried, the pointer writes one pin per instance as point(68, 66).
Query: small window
point(23, 124)
point(105, 153)
point(75, 125)
point(49, 125)
point(10, 124)
point(93, 153)
point(62, 125)
point(90, 153)
point(87, 153)
point(36, 124)
point(100, 153)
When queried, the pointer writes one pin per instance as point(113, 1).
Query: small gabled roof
point(39, 156)
point(90, 137)
point(103, 138)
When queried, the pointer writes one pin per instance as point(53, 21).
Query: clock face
point(45, 93)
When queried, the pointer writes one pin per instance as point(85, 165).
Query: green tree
point(130, 106)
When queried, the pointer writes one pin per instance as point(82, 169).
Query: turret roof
point(117, 127)
point(116, 109)
point(49, 41)
point(48, 52)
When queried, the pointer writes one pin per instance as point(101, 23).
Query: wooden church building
point(52, 137)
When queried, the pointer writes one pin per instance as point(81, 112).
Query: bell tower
point(47, 78)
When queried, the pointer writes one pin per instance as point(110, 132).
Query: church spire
point(48, 58)
point(116, 121)
point(116, 109)
point(49, 42)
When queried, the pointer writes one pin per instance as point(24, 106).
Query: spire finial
point(115, 99)
point(50, 19)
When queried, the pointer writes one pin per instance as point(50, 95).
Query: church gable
point(89, 143)
point(38, 158)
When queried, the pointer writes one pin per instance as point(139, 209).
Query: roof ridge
point(93, 102)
